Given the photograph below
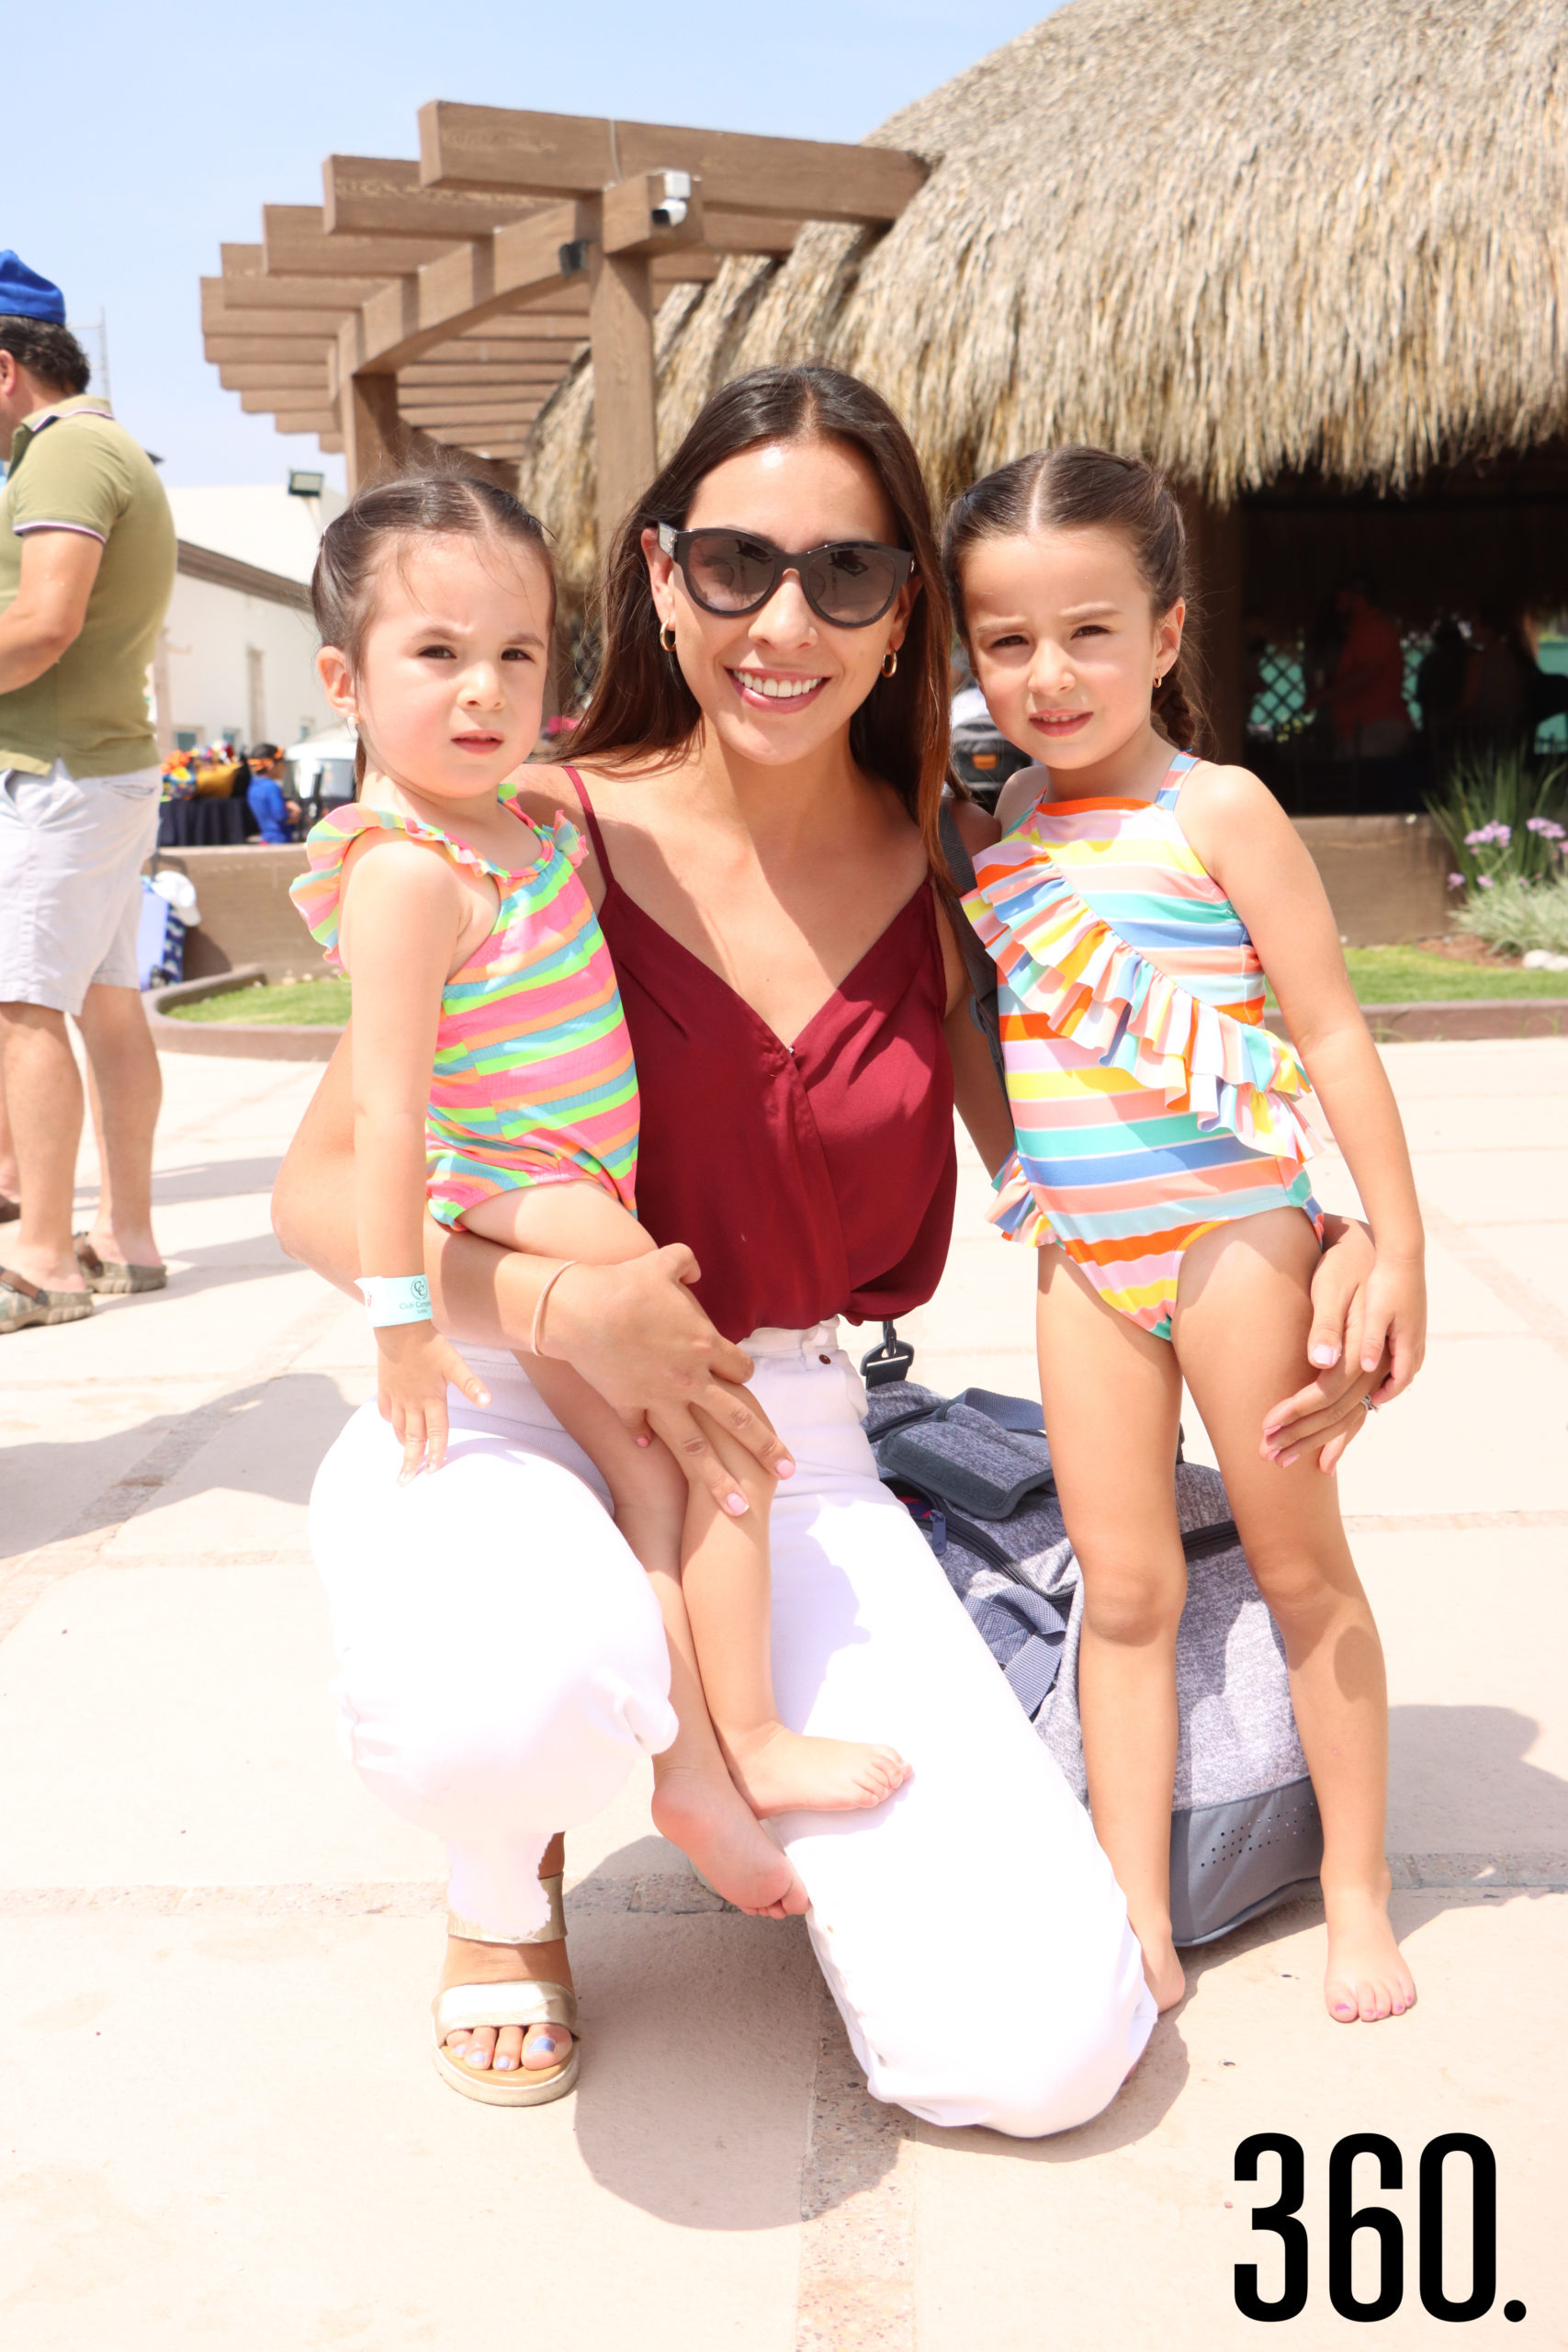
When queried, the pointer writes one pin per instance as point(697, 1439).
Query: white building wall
point(217, 686)
point(257, 523)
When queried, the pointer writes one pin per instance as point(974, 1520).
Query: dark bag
point(974, 1471)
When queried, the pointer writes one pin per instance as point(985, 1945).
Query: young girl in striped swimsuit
point(492, 1072)
point(1136, 904)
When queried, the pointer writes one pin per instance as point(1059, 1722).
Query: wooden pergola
point(445, 299)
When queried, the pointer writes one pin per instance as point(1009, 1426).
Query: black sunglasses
point(848, 582)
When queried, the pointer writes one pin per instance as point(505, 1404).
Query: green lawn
point(1381, 976)
point(314, 1004)
point(1409, 976)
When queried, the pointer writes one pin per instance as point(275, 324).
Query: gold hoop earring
point(667, 638)
point(889, 663)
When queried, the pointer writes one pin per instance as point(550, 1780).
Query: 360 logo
point(1345, 2220)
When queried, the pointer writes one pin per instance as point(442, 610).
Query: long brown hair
point(642, 705)
point(1071, 490)
point(439, 497)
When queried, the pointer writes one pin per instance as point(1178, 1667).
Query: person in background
point(86, 567)
point(275, 816)
point(1497, 704)
point(1439, 691)
point(1366, 691)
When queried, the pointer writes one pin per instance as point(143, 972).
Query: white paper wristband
point(395, 1298)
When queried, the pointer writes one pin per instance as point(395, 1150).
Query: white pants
point(501, 1663)
point(72, 850)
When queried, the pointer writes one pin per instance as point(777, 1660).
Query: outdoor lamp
point(305, 485)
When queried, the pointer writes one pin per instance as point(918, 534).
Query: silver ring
point(1369, 1403)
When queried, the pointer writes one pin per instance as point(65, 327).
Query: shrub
point(1502, 818)
point(1513, 915)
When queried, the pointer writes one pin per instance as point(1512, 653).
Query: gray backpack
point(974, 1471)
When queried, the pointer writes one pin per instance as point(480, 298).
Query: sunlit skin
point(446, 694)
point(450, 688)
point(761, 848)
point(1066, 652)
point(1068, 648)
point(797, 497)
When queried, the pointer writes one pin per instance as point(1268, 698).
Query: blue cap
point(25, 295)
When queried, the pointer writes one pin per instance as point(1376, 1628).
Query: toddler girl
point(1135, 904)
point(493, 1079)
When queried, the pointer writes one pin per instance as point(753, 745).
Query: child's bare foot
point(706, 1815)
point(1163, 1973)
point(1366, 1978)
point(782, 1771)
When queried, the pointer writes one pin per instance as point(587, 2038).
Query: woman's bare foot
point(537, 2047)
point(782, 1771)
point(1163, 1973)
point(706, 1815)
point(1366, 1978)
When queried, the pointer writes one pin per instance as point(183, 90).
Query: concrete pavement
point(221, 2126)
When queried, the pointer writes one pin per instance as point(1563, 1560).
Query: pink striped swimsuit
point(533, 1082)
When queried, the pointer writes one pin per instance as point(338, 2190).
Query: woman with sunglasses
point(760, 772)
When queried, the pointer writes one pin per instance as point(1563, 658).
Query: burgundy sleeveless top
point(811, 1179)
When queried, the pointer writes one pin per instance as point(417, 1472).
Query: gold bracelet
point(565, 1267)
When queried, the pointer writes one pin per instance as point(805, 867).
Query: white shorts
point(72, 850)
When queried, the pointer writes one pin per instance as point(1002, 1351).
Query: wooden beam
point(295, 245)
point(563, 312)
point(252, 376)
point(336, 296)
point(379, 195)
point(630, 220)
point(263, 349)
point(621, 295)
point(219, 318)
point(748, 233)
point(367, 419)
point(435, 414)
point(490, 149)
point(316, 420)
point(452, 398)
point(529, 360)
point(280, 398)
point(467, 285)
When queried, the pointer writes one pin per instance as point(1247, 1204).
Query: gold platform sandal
point(524, 2002)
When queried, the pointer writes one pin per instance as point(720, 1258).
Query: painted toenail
point(546, 2044)
point(475, 2058)
point(502, 2063)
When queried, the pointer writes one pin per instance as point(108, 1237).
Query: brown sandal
point(109, 1278)
point(23, 1304)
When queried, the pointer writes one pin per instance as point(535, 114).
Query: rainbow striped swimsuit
point(1149, 1103)
point(533, 1082)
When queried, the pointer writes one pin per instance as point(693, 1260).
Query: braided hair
point(1075, 489)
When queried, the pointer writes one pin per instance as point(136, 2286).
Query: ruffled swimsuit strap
point(318, 893)
point(1062, 962)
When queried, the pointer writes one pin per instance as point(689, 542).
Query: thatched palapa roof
point(1245, 239)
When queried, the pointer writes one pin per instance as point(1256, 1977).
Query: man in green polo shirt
point(86, 565)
